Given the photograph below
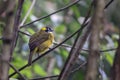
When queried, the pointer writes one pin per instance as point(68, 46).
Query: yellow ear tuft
point(43, 29)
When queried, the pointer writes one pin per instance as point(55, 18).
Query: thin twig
point(61, 9)
point(24, 33)
point(113, 49)
point(109, 3)
point(42, 78)
point(78, 68)
point(28, 12)
point(21, 76)
point(68, 46)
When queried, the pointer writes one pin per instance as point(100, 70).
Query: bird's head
point(47, 29)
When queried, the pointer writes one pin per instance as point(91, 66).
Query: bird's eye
point(50, 29)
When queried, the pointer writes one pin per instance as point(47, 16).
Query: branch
point(21, 76)
point(55, 76)
point(78, 68)
point(28, 12)
point(115, 70)
point(50, 66)
point(94, 54)
point(24, 33)
point(66, 69)
point(42, 78)
point(51, 13)
point(68, 46)
point(109, 3)
point(8, 20)
point(16, 26)
point(77, 46)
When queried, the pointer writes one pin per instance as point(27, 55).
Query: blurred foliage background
point(64, 24)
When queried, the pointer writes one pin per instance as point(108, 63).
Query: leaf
point(56, 71)
point(39, 70)
point(109, 58)
point(61, 29)
point(30, 30)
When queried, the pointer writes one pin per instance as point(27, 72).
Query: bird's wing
point(37, 40)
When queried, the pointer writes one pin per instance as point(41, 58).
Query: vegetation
point(86, 39)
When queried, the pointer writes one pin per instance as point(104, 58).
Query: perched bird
point(40, 41)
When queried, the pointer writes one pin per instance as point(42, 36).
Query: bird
point(40, 42)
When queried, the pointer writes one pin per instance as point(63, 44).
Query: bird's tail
point(30, 58)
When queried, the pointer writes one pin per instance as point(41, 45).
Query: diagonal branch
point(109, 3)
point(28, 12)
point(43, 78)
point(52, 13)
point(68, 46)
point(66, 69)
point(21, 76)
point(78, 44)
point(55, 76)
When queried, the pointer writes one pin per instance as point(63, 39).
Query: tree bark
point(115, 70)
point(93, 57)
point(7, 16)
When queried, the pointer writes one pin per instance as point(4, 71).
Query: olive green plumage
point(40, 42)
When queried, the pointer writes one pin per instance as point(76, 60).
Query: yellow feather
point(40, 42)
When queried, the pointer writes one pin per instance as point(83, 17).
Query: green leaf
point(30, 30)
point(79, 75)
point(109, 58)
point(27, 72)
point(76, 11)
point(61, 29)
point(56, 71)
point(64, 53)
point(39, 70)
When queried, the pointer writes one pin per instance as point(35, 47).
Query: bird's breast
point(46, 44)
